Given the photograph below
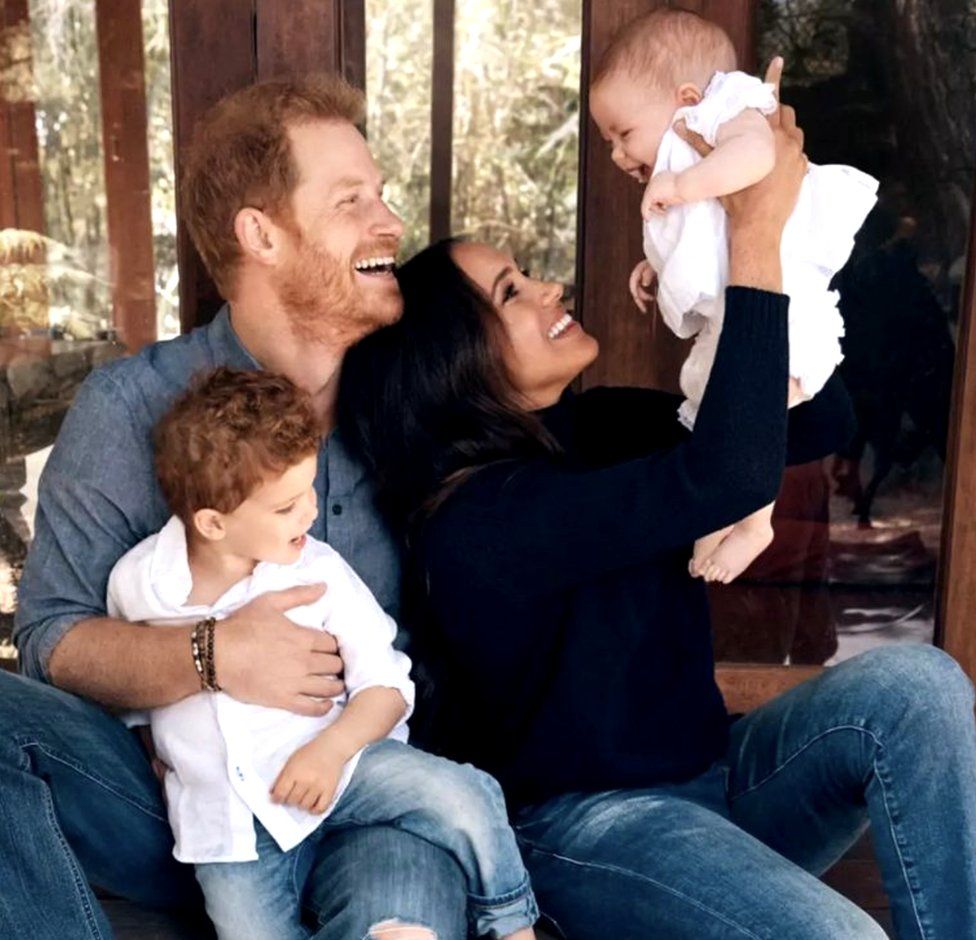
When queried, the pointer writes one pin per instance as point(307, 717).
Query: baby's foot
point(738, 550)
point(705, 547)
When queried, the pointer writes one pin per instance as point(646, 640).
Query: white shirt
point(687, 247)
point(225, 755)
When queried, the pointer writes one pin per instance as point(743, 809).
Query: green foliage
point(516, 122)
point(63, 83)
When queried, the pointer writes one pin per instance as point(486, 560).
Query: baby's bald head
point(665, 49)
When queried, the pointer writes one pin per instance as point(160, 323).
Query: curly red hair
point(227, 434)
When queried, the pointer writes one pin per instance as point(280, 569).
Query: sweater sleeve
point(542, 525)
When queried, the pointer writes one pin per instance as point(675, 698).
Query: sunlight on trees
point(516, 122)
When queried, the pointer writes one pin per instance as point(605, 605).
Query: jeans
point(459, 808)
point(885, 739)
point(79, 804)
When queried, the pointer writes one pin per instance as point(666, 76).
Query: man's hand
point(758, 213)
point(766, 205)
point(310, 776)
point(263, 658)
point(661, 193)
point(642, 284)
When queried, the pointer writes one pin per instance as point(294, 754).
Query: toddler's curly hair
point(230, 432)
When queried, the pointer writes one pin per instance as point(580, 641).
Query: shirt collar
point(169, 571)
point(226, 345)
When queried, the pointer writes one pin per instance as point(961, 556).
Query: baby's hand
point(641, 285)
point(661, 192)
point(310, 777)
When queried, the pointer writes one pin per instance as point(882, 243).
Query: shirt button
point(337, 509)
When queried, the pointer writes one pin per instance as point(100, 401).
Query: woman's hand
point(758, 213)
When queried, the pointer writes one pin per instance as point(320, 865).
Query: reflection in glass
point(891, 89)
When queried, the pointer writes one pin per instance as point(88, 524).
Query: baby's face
point(632, 119)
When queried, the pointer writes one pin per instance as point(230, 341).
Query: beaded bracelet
point(202, 648)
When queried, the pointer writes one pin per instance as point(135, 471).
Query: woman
point(570, 648)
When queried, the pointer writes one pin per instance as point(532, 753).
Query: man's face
point(336, 281)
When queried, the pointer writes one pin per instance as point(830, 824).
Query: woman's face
point(544, 348)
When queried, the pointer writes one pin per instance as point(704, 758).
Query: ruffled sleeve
point(728, 94)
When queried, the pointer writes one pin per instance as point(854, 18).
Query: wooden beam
point(352, 42)
point(956, 615)
point(212, 48)
point(21, 189)
point(635, 350)
point(297, 38)
point(442, 120)
point(223, 45)
point(121, 68)
point(746, 686)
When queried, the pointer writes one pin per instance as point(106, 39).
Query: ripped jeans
point(79, 804)
point(453, 806)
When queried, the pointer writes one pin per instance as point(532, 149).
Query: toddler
point(247, 787)
point(670, 66)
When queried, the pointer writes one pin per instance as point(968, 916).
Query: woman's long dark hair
point(427, 400)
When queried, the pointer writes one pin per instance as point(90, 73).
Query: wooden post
point(213, 53)
point(249, 42)
point(956, 614)
point(121, 68)
point(442, 121)
point(21, 192)
point(635, 350)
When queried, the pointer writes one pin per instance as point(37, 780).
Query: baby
point(671, 66)
point(247, 787)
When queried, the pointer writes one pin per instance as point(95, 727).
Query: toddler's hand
point(309, 778)
point(660, 194)
point(641, 285)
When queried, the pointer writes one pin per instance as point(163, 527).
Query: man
point(285, 206)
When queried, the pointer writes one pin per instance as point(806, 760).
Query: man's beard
point(324, 306)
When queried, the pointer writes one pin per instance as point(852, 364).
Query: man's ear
point(257, 235)
point(688, 95)
point(209, 524)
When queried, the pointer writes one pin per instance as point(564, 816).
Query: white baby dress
point(687, 247)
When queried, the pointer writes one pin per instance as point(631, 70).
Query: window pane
point(399, 59)
point(57, 261)
point(893, 92)
point(516, 129)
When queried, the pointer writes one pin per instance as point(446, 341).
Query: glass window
point(515, 122)
point(516, 129)
point(58, 257)
point(399, 60)
point(857, 537)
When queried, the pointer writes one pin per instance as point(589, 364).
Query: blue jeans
point(885, 739)
point(79, 803)
point(459, 808)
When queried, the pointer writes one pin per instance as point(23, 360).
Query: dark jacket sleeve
point(545, 525)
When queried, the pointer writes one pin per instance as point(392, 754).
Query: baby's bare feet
point(705, 547)
point(743, 544)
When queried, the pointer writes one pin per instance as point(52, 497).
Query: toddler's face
point(270, 525)
point(632, 118)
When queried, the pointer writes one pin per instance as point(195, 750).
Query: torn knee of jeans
point(398, 930)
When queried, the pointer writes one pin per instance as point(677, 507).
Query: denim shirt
point(98, 495)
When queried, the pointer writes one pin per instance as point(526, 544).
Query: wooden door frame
point(606, 197)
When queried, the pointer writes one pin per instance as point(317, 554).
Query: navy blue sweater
point(568, 646)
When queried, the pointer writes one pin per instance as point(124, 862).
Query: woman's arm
point(544, 526)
